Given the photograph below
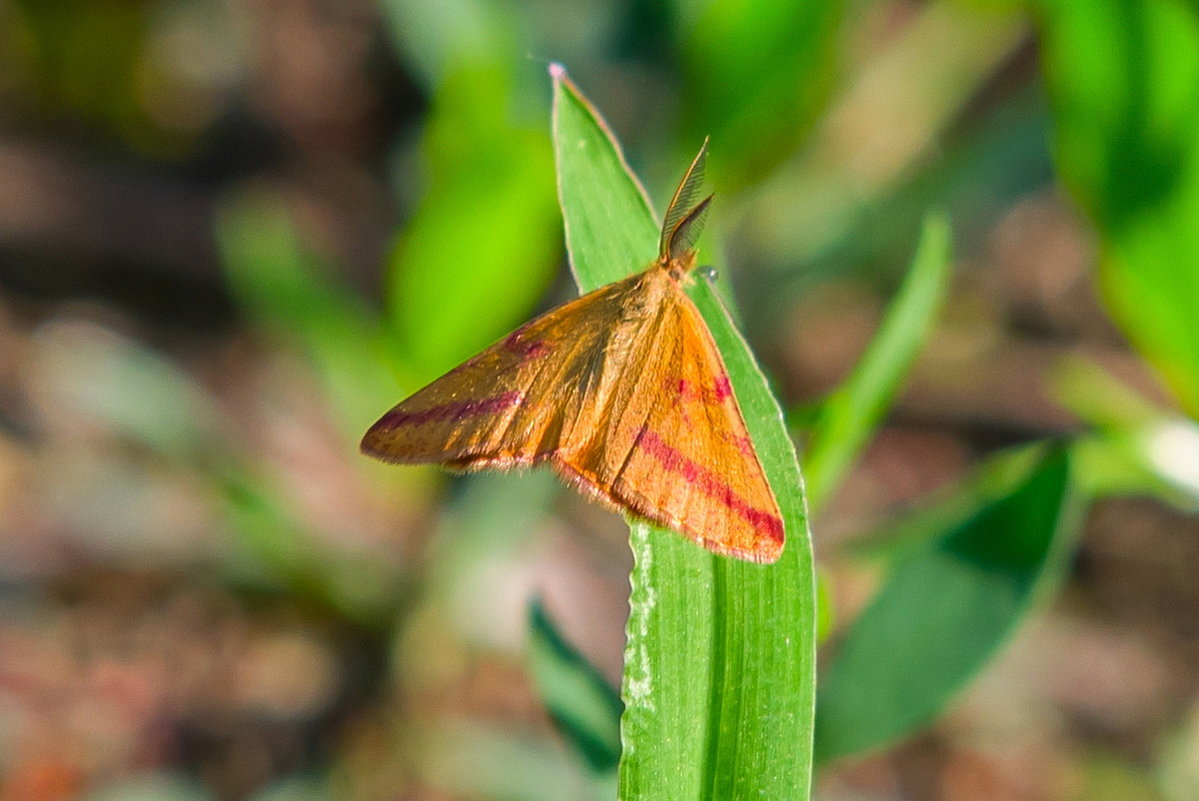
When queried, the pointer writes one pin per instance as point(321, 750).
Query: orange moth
point(622, 391)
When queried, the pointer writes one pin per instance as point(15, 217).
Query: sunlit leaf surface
point(720, 654)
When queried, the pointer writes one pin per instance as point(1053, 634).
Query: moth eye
point(709, 272)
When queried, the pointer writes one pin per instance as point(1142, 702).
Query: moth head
point(680, 266)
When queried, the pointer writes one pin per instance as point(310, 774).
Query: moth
point(622, 392)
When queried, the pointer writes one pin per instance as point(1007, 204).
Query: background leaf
point(583, 705)
point(944, 608)
point(850, 415)
point(719, 661)
point(1123, 77)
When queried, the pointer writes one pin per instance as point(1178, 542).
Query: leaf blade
point(852, 413)
point(944, 608)
point(711, 641)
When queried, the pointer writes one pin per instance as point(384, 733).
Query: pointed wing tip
point(367, 444)
point(375, 442)
point(372, 446)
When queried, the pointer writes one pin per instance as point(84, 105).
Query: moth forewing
point(623, 391)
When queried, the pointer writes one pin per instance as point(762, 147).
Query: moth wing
point(676, 451)
point(510, 404)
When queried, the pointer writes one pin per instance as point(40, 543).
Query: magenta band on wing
point(452, 411)
point(529, 349)
point(720, 391)
point(709, 483)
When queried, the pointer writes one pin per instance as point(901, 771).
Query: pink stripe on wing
point(459, 410)
point(709, 483)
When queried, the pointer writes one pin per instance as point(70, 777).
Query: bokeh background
point(234, 232)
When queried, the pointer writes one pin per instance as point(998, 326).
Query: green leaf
point(850, 415)
point(482, 246)
point(946, 606)
point(718, 679)
point(610, 227)
point(1098, 397)
point(580, 701)
point(992, 480)
point(1123, 77)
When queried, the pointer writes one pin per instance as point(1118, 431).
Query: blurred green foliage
point(85, 57)
point(490, 271)
point(298, 300)
point(755, 74)
point(1124, 80)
